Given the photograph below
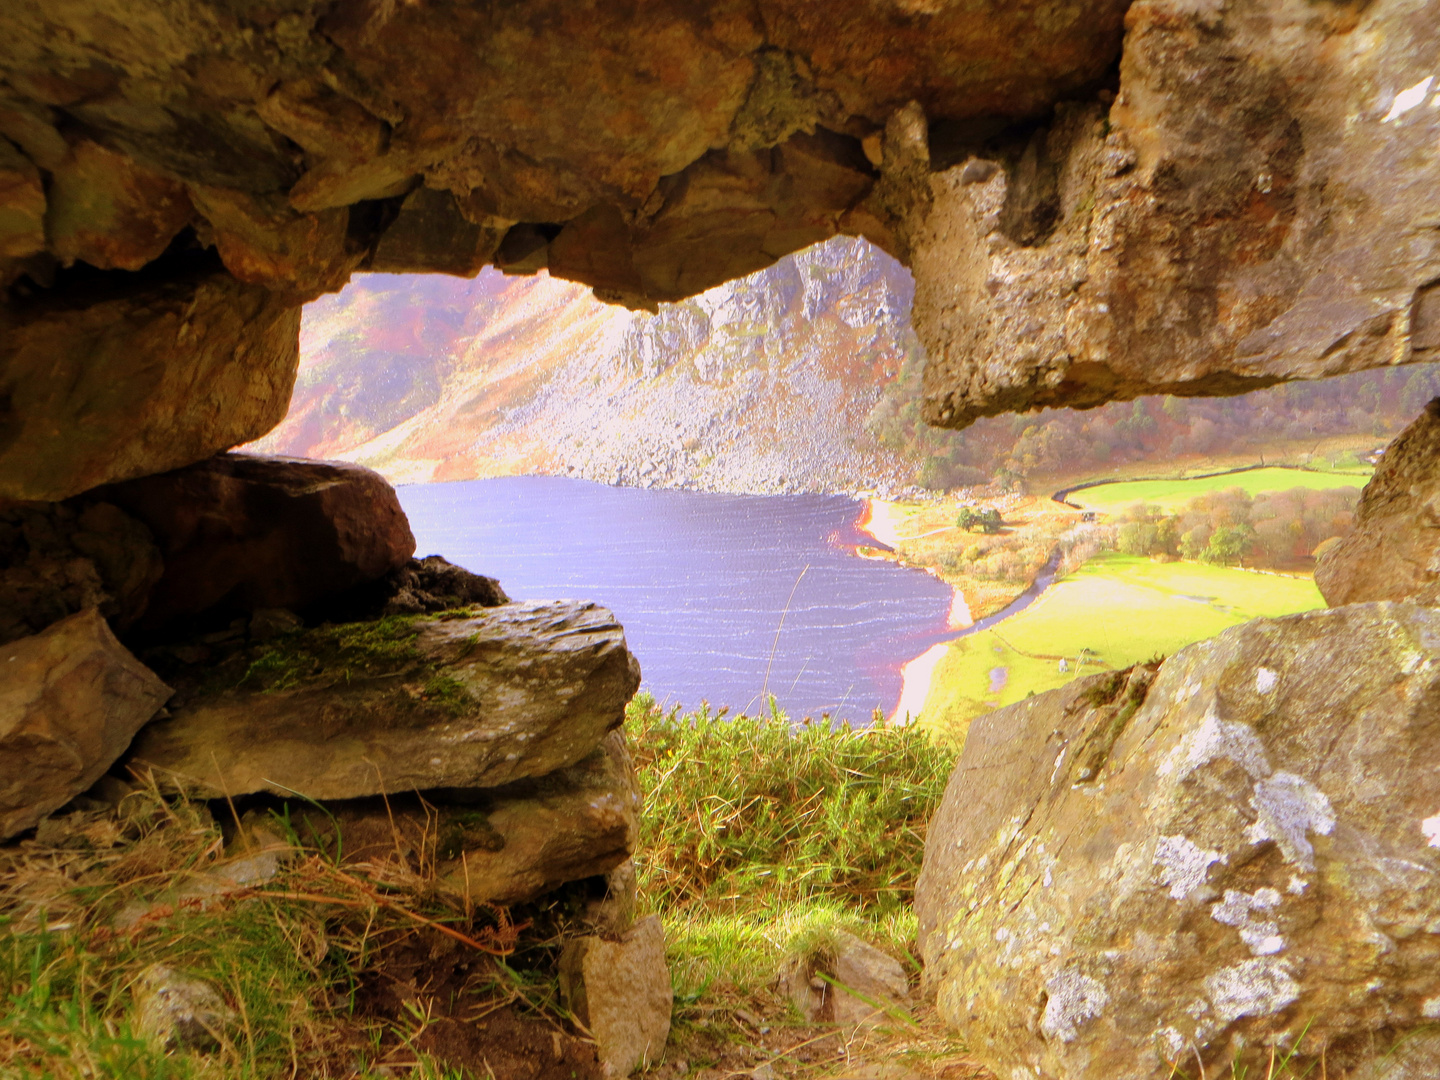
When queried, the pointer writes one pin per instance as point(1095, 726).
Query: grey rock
point(506, 845)
point(269, 623)
point(179, 1012)
point(1393, 551)
point(849, 982)
point(620, 990)
point(613, 913)
point(420, 587)
point(469, 701)
point(71, 699)
point(1251, 863)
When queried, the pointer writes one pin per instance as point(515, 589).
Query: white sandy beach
point(915, 686)
point(885, 521)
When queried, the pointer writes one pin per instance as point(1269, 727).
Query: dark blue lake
point(701, 581)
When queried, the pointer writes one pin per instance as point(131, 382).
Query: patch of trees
point(986, 520)
point(1377, 403)
point(1278, 529)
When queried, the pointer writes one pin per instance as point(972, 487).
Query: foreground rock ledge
point(505, 845)
point(1244, 856)
point(463, 700)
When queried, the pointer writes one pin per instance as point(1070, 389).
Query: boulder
point(651, 153)
point(58, 559)
point(71, 699)
point(1179, 236)
point(420, 587)
point(1393, 551)
point(1128, 877)
point(462, 700)
point(243, 532)
point(620, 990)
point(847, 982)
point(106, 379)
point(504, 845)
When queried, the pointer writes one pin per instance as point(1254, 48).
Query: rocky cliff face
point(763, 384)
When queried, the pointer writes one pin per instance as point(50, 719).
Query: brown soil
point(510, 1047)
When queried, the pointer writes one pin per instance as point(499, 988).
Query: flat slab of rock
point(506, 845)
point(248, 532)
point(71, 699)
point(621, 991)
point(1393, 552)
point(1124, 876)
point(472, 700)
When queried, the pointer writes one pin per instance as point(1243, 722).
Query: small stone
point(613, 913)
point(862, 983)
point(178, 1012)
point(621, 992)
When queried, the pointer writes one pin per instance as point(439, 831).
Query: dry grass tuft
point(288, 935)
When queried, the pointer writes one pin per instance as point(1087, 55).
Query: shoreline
point(881, 519)
point(916, 677)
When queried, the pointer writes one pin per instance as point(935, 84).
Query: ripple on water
point(702, 582)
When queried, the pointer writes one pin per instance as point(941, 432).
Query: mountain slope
point(763, 384)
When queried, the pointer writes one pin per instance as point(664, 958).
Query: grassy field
point(1175, 494)
point(1337, 453)
point(1112, 612)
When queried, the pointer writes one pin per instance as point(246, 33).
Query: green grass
point(758, 835)
point(1175, 494)
point(1122, 609)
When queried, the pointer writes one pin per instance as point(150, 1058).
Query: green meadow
point(1114, 611)
point(1175, 494)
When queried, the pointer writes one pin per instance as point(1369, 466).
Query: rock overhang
point(1237, 198)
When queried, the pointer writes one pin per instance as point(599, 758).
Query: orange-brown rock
point(503, 845)
point(1246, 199)
point(57, 559)
point(657, 113)
point(110, 211)
point(110, 378)
point(1393, 552)
point(1256, 206)
point(22, 207)
point(242, 532)
point(71, 699)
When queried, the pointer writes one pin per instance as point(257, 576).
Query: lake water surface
point(701, 581)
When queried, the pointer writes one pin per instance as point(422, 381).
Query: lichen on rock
point(1247, 869)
